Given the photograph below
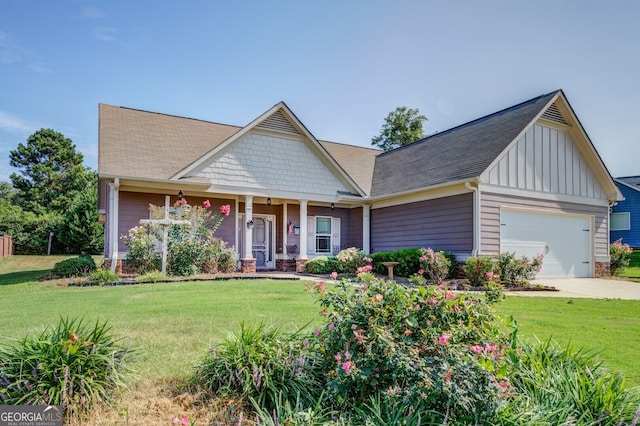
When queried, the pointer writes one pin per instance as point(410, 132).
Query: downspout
point(114, 223)
point(476, 218)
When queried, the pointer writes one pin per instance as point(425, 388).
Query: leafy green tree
point(51, 172)
point(402, 127)
point(7, 191)
point(30, 232)
point(80, 231)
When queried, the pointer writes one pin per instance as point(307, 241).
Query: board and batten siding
point(442, 223)
point(491, 204)
point(546, 159)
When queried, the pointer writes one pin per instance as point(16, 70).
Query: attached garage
point(564, 239)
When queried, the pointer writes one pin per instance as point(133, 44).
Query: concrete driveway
point(593, 288)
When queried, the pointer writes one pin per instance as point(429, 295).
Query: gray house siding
point(355, 230)
point(490, 218)
point(442, 223)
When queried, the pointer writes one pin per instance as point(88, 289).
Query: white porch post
point(248, 232)
point(285, 229)
point(115, 198)
point(366, 228)
point(165, 234)
point(303, 229)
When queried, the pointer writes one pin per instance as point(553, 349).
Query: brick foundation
point(248, 266)
point(300, 264)
point(286, 265)
point(603, 269)
point(121, 267)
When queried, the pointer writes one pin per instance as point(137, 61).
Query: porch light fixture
point(269, 201)
point(180, 194)
point(250, 224)
point(333, 206)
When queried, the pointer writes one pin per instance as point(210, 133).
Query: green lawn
point(173, 324)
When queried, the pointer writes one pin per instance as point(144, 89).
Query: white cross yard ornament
point(165, 223)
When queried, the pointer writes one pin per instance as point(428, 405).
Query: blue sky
point(341, 66)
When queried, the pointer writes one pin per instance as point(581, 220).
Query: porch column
point(302, 258)
point(285, 229)
point(113, 207)
point(366, 228)
point(247, 262)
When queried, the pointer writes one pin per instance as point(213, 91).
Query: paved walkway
point(594, 288)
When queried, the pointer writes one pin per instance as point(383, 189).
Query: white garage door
point(565, 241)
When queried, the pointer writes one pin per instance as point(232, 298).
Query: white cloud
point(105, 33)
point(13, 123)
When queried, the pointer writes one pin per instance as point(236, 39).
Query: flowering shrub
point(620, 256)
point(352, 258)
point(480, 271)
point(434, 264)
point(514, 272)
point(192, 248)
point(418, 346)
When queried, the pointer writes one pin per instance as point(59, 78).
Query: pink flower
point(346, 366)
point(331, 326)
point(489, 274)
point(420, 271)
point(321, 286)
point(347, 355)
point(444, 339)
point(206, 204)
point(333, 275)
point(305, 342)
point(225, 210)
point(477, 349)
point(185, 421)
point(447, 376)
point(338, 357)
point(450, 295)
point(490, 348)
point(379, 297)
point(316, 332)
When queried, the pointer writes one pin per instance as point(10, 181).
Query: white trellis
point(165, 223)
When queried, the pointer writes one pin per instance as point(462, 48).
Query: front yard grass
point(633, 270)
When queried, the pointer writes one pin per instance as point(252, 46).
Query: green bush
point(218, 257)
point(351, 259)
point(517, 271)
point(554, 385)
point(75, 267)
point(142, 256)
point(480, 270)
point(103, 276)
point(620, 256)
point(73, 365)
point(261, 363)
point(322, 265)
point(434, 264)
point(408, 261)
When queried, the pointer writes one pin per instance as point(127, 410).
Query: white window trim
point(333, 235)
point(620, 214)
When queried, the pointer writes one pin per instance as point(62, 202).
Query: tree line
point(52, 194)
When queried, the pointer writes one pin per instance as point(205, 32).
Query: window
point(323, 235)
point(620, 221)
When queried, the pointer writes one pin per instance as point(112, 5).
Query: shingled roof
point(149, 145)
point(356, 161)
point(462, 152)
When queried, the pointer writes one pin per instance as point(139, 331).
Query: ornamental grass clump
point(264, 364)
point(74, 365)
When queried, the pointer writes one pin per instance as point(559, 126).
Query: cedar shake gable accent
point(149, 145)
point(356, 161)
point(457, 154)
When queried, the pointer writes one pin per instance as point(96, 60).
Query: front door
point(263, 235)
